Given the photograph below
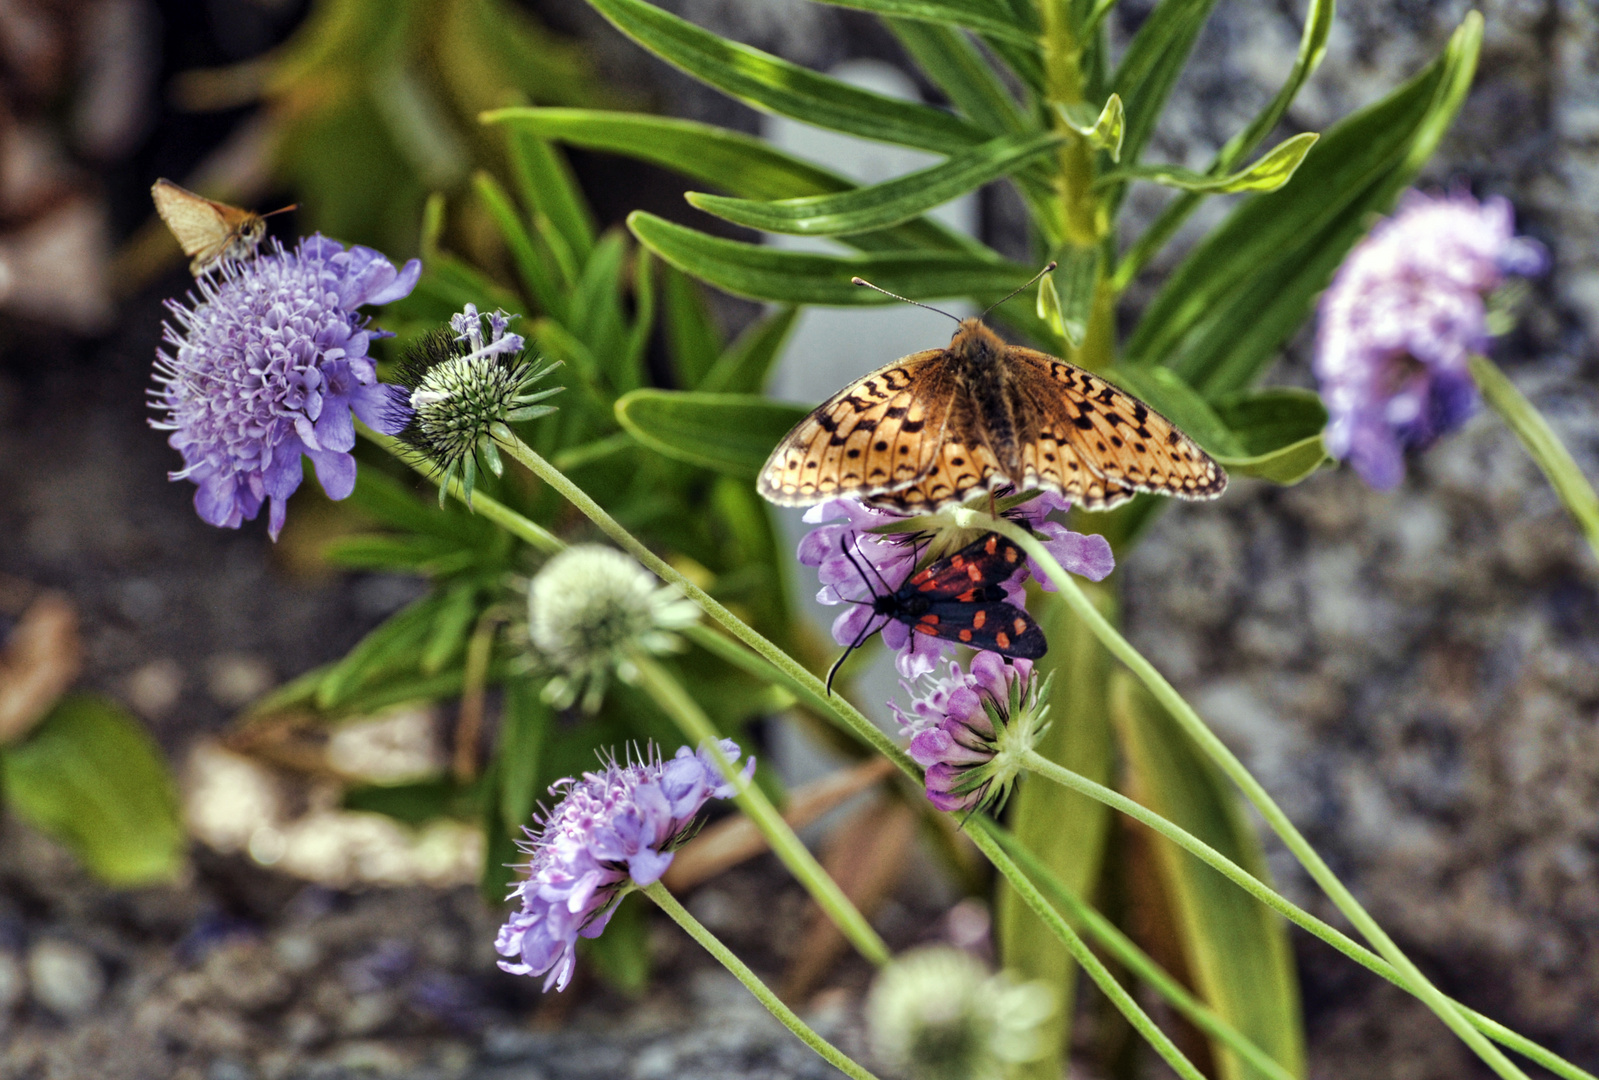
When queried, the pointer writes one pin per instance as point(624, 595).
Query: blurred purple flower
point(610, 832)
point(882, 562)
point(269, 364)
point(971, 727)
point(1401, 320)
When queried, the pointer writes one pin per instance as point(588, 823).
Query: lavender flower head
point(883, 561)
point(971, 728)
point(269, 364)
point(612, 831)
point(1400, 321)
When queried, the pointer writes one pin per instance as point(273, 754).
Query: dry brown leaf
point(41, 659)
point(730, 842)
point(867, 856)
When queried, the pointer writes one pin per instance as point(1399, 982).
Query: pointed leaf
point(1275, 168)
point(1150, 66)
point(954, 64)
point(765, 82)
point(90, 776)
point(889, 203)
point(1279, 432)
point(741, 164)
point(1225, 311)
point(744, 366)
point(763, 273)
point(731, 433)
point(1237, 949)
point(1106, 131)
point(1068, 304)
point(998, 19)
point(549, 189)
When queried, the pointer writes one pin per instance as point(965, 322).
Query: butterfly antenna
point(906, 299)
point(281, 210)
point(1013, 292)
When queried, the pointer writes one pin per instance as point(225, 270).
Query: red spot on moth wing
point(975, 572)
point(981, 618)
point(993, 544)
point(923, 628)
point(965, 635)
point(1003, 639)
point(931, 618)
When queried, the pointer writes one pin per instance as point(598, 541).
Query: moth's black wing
point(985, 625)
point(991, 560)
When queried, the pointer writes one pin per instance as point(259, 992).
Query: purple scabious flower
point(971, 728)
point(1397, 327)
point(887, 559)
point(612, 831)
point(268, 364)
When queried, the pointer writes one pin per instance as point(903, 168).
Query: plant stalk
point(669, 694)
point(786, 1016)
point(1200, 732)
point(1542, 444)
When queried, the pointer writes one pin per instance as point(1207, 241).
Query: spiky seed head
point(589, 609)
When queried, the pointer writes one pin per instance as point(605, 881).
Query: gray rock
point(65, 977)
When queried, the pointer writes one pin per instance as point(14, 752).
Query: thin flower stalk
point(786, 1016)
point(1542, 444)
point(669, 694)
point(1107, 935)
point(1091, 964)
point(1200, 732)
point(795, 677)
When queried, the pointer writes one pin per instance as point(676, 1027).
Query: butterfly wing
point(963, 464)
point(206, 230)
point(1097, 444)
point(879, 433)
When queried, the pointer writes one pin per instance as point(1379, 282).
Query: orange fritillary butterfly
point(938, 426)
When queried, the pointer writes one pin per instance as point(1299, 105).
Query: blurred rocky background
point(1415, 675)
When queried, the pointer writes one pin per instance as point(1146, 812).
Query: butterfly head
point(975, 343)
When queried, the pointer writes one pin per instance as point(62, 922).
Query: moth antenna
point(843, 547)
point(1013, 292)
point(907, 300)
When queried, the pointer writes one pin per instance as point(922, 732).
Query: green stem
point(1202, 851)
point(1190, 721)
point(1080, 951)
point(830, 1053)
point(1132, 957)
point(1543, 444)
point(691, 719)
point(850, 717)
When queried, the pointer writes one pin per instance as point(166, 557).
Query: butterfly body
point(958, 598)
point(938, 426)
point(207, 230)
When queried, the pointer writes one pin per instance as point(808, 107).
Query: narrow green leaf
point(451, 623)
point(1070, 301)
point(1275, 168)
point(770, 84)
point(948, 58)
point(536, 267)
point(1237, 949)
point(1106, 131)
point(890, 203)
point(395, 644)
point(520, 753)
point(1240, 294)
point(999, 20)
point(548, 188)
point(1150, 67)
point(90, 776)
point(731, 433)
point(1065, 830)
point(692, 337)
point(764, 273)
point(1279, 432)
point(418, 554)
point(744, 366)
point(734, 162)
point(394, 505)
point(596, 309)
